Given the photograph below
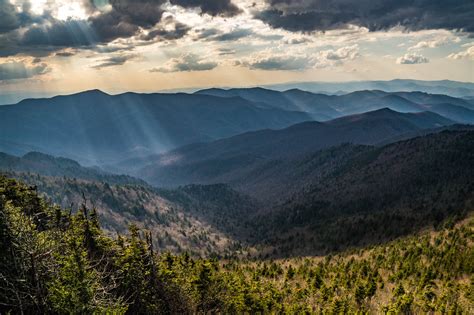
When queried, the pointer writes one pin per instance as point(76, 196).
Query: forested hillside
point(201, 220)
point(228, 160)
point(47, 165)
point(337, 198)
point(376, 195)
point(56, 262)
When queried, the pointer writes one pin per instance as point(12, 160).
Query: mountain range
point(232, 159)
point(323, 107)
point(324, 201)
point(95, 128)
point(249, 171)
point(447, 87)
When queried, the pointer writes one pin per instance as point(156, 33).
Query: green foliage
point(171, 216)
point(53, 261)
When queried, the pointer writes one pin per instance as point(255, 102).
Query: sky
point(64, 46)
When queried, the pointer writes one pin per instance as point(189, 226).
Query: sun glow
point(73, 10)
point(37, 7)
point(59, 9)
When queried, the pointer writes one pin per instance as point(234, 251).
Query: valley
point(195, 157)
point(285, 212)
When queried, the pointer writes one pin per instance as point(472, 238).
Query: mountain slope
point(199, 219)
point(43, 164)
point(454, 112)
point(378, 194)
point(94, 128)
point(228, 159)
point(56, 262)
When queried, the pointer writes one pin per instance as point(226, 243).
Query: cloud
point(9, 18)
point(281, 63)
point(434, 43)
point(70, 33)
point(126, 17)
point(321, 59)
point(186, 62)
point(113, 61)
point(297, 41)
point(211, 7)
point(317, 15)
point(412, 59)
point(170, 29)
point(233, 35)
point(467, 54)
point(225, 51)
point(15, 70)
point(24, 32)
point(347, 52)
point(214, 34)
point(64, 54)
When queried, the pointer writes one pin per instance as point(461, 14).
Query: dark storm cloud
point(311, 15)
point(179, 31)
point(176, 31)
point(24, 33)
point(126, 17)
point(9, 19)
point(211, 7)
point(71, 33)
point(40, 35)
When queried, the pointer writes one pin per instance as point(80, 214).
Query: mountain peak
point(382, 111)
point(92, 92)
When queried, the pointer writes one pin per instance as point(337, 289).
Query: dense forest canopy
point(54, 261)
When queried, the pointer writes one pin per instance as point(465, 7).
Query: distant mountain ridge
point(228, 160)
point(325, 107)
point(448, 87)
point(94, 127)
